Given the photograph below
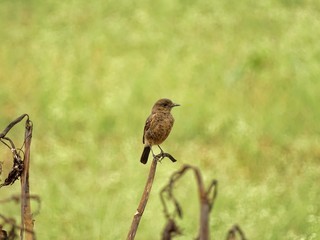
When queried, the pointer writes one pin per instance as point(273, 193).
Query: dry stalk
point(146, 193)
point(206, 197)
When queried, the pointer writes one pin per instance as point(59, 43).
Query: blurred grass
point(246, 74)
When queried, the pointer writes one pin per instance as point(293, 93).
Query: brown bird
point(158, 126)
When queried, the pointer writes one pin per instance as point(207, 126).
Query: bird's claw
point(159, 157)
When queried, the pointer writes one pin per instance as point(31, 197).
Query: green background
point(88, 72)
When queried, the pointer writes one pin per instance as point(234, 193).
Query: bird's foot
point(159, 157)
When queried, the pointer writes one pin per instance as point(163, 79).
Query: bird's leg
point(161, 153)
point(161, 150)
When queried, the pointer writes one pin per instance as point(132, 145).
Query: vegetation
point(245, 72)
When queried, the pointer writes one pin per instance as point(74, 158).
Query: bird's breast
point(160, 127)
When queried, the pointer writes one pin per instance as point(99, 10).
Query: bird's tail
point(145, 155)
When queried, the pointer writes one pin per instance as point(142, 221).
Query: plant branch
point(143, 202)
point(8, 128)
point(206, 199)
point(146, 193)
point(26, 215)
point(232, 233)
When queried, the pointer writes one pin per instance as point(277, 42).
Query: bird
point(157, 127)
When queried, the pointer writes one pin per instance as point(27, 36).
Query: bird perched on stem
point(157, 127)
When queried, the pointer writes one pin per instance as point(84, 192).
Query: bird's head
point(164, 105)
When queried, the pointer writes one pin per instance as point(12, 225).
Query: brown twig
point(146, 193)
point(171, 229)
point(21, 169)
point(8, 128)
point(12, 234)
point(26, 215)
point(17, 198)
point(205, 196)
point(232, 233)
point(143, 202)
point(17, 168)
point(11, 222)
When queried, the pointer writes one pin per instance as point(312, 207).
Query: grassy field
point(87, 72)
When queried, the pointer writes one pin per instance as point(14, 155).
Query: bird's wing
point(146, 127)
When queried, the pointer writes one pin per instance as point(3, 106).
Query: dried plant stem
point(232, 234)
point(8, 128)
point(144, 199)
point(26, 215)
point(206, 198)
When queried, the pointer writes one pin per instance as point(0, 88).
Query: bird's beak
point(175, 105)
